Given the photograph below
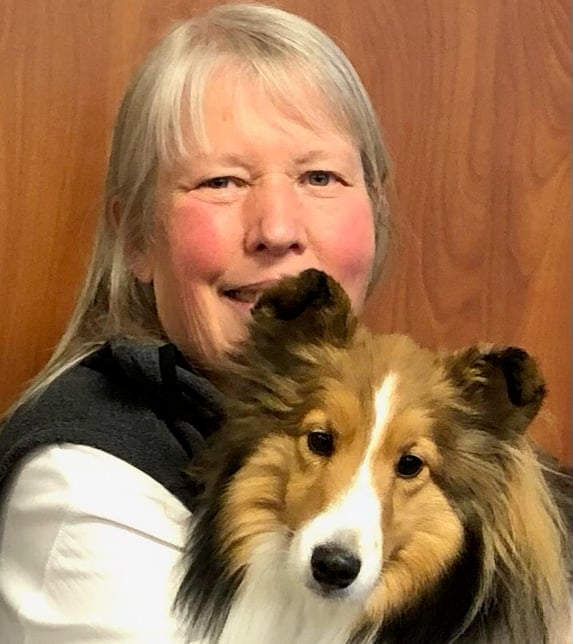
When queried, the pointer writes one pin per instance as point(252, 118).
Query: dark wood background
point(475, 100)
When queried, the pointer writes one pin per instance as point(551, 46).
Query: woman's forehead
point(237, 97)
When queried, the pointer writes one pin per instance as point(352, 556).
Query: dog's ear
point(310, 306)
point(503, 385)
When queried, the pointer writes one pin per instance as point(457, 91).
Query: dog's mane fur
point(511, 579)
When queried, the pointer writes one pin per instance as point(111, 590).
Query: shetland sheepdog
point(364, 489)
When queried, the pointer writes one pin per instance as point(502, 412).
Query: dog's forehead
point(375, 357)
point(363, 369)
point(421, 388)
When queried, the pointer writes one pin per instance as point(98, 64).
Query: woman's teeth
point(247, 295)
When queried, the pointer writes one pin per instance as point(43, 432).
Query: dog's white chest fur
point(270, 609)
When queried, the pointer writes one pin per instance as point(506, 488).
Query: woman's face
point(269, 196)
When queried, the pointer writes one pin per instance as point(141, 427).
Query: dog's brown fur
point(482, 515)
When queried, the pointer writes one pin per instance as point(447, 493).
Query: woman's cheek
point(353, 240)
point(198, 241)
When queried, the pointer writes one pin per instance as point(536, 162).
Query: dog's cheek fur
point(254, 500)
point(423, 536)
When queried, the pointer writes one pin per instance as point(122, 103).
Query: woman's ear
point(140, 262)
point(141, 265)
point(114, 212)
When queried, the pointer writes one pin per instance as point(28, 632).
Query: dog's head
point(362, 459)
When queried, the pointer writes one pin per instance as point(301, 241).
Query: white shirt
point(90, 552)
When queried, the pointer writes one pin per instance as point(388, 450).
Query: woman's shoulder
point(80, 395)
point(115, 401)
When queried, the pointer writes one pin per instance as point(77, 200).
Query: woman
point(237, 158)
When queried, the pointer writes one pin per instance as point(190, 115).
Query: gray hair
point(271, 45)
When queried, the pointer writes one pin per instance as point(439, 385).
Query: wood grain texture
point(480, 135)
point(474, 97)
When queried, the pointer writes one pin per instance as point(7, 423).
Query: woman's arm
point(90, 550)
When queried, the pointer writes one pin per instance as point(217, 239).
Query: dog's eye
point(321, 442)
point(409, 465)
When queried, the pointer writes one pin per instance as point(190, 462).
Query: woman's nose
point(275, 224)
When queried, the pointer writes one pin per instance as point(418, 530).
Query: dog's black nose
point(334, 567)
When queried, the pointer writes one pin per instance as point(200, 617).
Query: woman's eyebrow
point(338, 153)
point(233, 159)
point(224, 158)
point(311, 155)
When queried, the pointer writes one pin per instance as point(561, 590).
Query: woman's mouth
point(245, 297)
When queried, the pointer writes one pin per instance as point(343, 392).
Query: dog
point(366, 490)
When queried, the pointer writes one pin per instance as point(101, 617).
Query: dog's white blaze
point(353, 520)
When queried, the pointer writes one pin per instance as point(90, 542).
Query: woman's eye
point(321, 442)
point(219, 183)
point(409, 466)
point(320, 177)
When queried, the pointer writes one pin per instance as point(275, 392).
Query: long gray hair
point(279, 49)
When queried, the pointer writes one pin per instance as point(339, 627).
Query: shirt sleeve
point(90, 551)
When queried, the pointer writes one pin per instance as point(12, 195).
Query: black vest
point(139, 402)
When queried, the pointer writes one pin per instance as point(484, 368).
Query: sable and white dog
point(364, 489)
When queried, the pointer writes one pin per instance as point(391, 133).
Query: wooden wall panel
point(475, 100)
point(480, 135)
